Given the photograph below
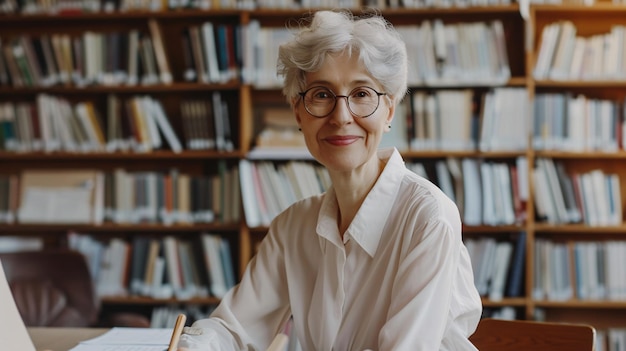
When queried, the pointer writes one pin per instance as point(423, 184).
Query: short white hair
point(379, 46)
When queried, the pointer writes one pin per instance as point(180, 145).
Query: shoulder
point(426, 209)
point(301, 213)
point(308, 206)
point(421, 192)
point(417, 200)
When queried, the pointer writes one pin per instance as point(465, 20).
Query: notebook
point(13, 331)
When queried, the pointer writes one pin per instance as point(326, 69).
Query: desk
point(61, 339)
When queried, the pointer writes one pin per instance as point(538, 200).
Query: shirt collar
point(367, 226)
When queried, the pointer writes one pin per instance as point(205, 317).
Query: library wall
point(173, 117)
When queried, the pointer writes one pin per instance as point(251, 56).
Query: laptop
point(13, 331)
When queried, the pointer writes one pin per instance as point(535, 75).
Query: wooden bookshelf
point(523, 39)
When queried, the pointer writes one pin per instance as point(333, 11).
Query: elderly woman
point(377, 261)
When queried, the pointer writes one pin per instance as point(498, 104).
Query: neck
point(352, 188)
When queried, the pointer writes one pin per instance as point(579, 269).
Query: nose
point(341, 114)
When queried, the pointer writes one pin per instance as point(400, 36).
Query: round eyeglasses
point(320, 101)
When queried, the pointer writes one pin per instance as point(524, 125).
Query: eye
point(320, 94)
point(362, 93)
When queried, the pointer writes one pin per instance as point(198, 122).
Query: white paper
point(13, 333)
point(87, 347)
point(128, 339)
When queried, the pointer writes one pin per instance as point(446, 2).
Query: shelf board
point(77, 16)
point(507, 301)
point(561, 9)
point(131, 15)
point(582, 304)
point(493, 229)
point(504, 229)
point(593, 155)
point(118, 156)
point(452, 10)
point(460, 153)
point(518, 81)
point(178, 87)
point(566, 84)
point(278, 153)
point(117, 228)
point(567, 229)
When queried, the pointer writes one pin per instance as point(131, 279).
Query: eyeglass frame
point(347, 97)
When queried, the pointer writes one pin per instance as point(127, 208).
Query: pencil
point(178, 329)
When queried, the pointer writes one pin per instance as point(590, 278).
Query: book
point(515, 277)
point(132, 59)
point(140, 122)
point(221, 46)
point(14, 71)
point(502, 261)
point(160, 53)
point(250, 204)
point(61, 196)
point(35, 63)
point(445, 179)
point(140, 248)
point(548, 44)
point(165, 127)
point(19, 243)
point(454, 107)
point(173, 264)
point(209, 46)
point(43, 57)
point(149, 69)
point(90, 123)
point(489, 208)
point(504, 186)
point(4, 70)
point(473, 193)
point(151, 269)
point(148, 114)
point(563, 52)
point(63, 68)
point(21, 61)
point(191, 72)
point(280, 129)
point(211, 244)
point(227, 263)
point(219, 121)
point(74, 48)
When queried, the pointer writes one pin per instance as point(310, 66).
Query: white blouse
point(400, 280)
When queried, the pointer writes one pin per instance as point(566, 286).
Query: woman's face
point(342, 141)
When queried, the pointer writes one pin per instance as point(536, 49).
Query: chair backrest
point(506, 335)
point(52, 288)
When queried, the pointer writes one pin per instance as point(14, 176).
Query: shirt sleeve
point(421, 312)
point(255, 310)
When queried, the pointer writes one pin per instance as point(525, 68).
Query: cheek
point(310, 130)
point(373, 127)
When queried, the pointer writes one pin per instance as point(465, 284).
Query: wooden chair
point(505, 335)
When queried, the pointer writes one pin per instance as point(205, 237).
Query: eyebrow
point(360, 82)
point(334, 90)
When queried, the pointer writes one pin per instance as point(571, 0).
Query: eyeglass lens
point(321, 101)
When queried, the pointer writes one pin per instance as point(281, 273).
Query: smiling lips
point(340, 140)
